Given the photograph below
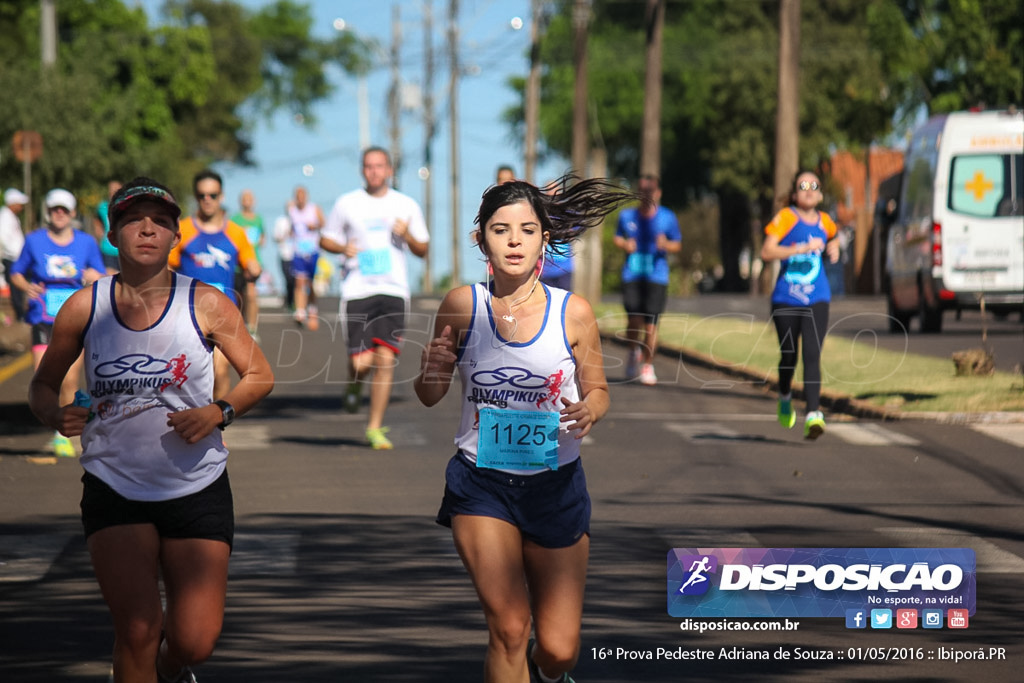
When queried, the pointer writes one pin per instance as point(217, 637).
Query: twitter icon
point(881, 618)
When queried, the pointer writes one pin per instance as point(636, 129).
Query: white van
point(959, 230)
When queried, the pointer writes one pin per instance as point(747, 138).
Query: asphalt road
point(340, 574)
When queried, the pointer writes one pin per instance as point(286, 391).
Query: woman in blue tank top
point(799, 237)
point(515, 494)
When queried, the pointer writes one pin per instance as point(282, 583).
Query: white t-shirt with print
point(381, 267)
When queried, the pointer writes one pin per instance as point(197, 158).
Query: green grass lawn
point(854, 368)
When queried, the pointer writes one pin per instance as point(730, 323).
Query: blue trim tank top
point(532, 376)
point(136, 378)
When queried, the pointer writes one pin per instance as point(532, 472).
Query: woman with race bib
point(57, 261)
point(798, 237)
point(533, 385)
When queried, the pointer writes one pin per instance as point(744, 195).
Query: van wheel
point(899, 321)
point(931, 318)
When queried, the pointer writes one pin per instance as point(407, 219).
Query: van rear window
point(987, 185)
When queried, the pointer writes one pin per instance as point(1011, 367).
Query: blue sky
point(491, 51)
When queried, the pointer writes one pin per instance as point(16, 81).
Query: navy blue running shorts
point(551, 509)
point(205, 514)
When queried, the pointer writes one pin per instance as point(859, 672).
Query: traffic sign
point(28, 146)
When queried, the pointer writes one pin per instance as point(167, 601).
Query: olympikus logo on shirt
point(144, 372)
point(501, 397)
point(527, 387)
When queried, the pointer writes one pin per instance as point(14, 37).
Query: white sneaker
point(647, 375)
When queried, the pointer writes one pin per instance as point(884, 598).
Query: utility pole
point(395, 97)
point(532, 94)
point(650, 154)
point(580, 137)
point(787, 121)
point(453, 115)
point(428, 132)
point(588, 256)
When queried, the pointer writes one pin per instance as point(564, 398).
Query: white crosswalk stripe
point(990, 558)
point(859, 433)
point(259, 554)
point(869, 434)
point(1010, 433)
point(692, 431)
point(27, 557)
point(249, 437)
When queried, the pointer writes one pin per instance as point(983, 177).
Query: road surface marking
point(869, 434)
point(991, 559)
point(28, 557)
point(1012, 434)
point(256, 554)
point(249, 437)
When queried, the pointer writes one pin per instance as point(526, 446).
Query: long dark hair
point(566, 207)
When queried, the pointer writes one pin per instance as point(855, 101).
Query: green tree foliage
point(720, 77)
point(950, 55)
point(128, 97)
point(106, 107)
point(863, 65)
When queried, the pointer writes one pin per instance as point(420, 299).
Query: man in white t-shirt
point(374, 228)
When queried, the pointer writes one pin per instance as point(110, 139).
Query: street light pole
point(532, 94)
point(428, 132)
point(48, 31)
point(453, 114)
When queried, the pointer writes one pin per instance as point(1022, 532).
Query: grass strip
point(856, 368)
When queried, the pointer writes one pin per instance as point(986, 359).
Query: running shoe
point(299, 316)
point(786, 414)
point(186, 676)
point(647, 375)
point(62, 446)
point(632, 363)
point(313, 322)
point(814, 425)
point(353, 396)
point(535, 671)
point(378, 441)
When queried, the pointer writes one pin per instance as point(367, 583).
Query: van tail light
point(936, 244)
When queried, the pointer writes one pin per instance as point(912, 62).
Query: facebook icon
point(856, 618)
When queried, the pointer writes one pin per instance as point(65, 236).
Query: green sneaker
point(62, 446)
point(814, 425)
point(353, 396)
point(786, 414)
point(378, 441)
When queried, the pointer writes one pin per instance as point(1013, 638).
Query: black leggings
point(810, 323)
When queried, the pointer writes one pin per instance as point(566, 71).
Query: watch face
point(227, 412)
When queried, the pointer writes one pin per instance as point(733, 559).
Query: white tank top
point(307, 240)
point(135, 379)
point(533, 375)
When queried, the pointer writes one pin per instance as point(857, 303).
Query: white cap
point(59, 197)
point(13, 196)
